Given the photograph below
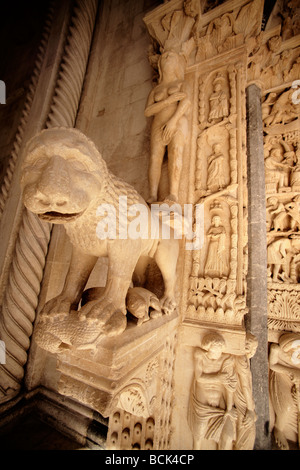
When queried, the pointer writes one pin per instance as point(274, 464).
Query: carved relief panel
point(278, 49)
point(214, 273)
point(281, 144)
point(218, 270)
point(221, 411)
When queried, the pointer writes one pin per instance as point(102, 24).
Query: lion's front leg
point(110, 309)
point(80, 268)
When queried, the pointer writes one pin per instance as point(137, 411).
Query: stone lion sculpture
point(65, 180)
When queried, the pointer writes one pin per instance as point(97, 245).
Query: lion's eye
point(77, 165)
point(39, 163)
point(35, 165)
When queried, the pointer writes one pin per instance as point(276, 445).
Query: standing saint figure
point(212, 416)
point(284, 360)
point(218, 102)
point(216, 265)
point(216, 170)
point(168, 103)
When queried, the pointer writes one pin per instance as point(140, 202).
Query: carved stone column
point(213, 287)
point(25, 237)
point(257, 267)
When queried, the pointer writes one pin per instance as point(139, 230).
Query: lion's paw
point(168, 305)
point(116, 324)
point(104, 314)
point(56, 310)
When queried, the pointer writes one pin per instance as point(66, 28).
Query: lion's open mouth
point(53, 216)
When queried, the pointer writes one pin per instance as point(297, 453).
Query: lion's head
point(62, 173)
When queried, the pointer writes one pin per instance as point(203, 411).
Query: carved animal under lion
point(65, 181)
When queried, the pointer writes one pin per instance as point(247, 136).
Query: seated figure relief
point(284, 362)
point(66, 181)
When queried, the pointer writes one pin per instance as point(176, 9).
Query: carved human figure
point(211, 415)
point(219, 31)
point(291, 19)
point(216, 265)
point(66, 181)
point(277, 170)
point(243, 398)
point(295, 173)
point(277, 253)
point(284, 110)
point(168, 103)
point(293, 210)
point(282, 216)
point(262, 56)
point(216, 179)
point(292, 73)
point(279, 214)
point(218, 102)
point(280, 256)
point(284, 360)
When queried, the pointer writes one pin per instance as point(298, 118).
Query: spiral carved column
point(13, 159)
point(26, 271)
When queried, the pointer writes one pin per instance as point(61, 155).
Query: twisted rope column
point(13, 159)
point(21, 299)
point(27, 266)
point(70, 81)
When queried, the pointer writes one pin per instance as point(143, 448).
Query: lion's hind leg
point(166, 257)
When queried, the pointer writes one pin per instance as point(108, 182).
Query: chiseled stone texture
point(117, 87)
point(257, 272)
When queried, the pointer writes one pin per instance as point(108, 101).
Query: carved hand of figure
point(169, 130)
point(295, 376)
point(168, 305)
point(57, 308)
point(103, 312)
point(177, 96)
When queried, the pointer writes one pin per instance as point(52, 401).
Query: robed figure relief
point(216, 262)
point(284, 362)
point(212, 416)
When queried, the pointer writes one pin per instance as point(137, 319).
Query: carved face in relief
point(214, 344)
point(60, 175)
point(171, 63)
